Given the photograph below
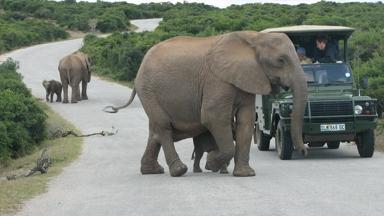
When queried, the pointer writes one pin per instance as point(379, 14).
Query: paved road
point(105, 180)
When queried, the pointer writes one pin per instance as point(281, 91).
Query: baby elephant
point(53, 87)
point(204, 143)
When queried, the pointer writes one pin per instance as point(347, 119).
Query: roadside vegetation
point(119, 55)
point(28, 22)
point(62, 151)
point(26, 127)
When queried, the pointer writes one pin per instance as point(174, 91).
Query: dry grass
point(61, 150)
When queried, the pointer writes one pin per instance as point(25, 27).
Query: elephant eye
point(280, 62)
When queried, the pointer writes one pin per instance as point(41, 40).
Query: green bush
point(22, 121)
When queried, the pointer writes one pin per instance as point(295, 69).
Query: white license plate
point(332, 127)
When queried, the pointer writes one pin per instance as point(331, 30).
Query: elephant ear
point(234, 59)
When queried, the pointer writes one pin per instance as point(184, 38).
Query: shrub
point(22, 121)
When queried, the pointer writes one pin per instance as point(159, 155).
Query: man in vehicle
point(325, 51)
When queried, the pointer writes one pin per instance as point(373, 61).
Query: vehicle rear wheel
point(283, 142)
point(261, 139)
point(333, 145)
point(366, 143)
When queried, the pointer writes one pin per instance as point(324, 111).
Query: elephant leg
point(223, 169)
point(176, 167)
point(75, 93)
point(84, 90)
point(199, 152)
point(47, 96)
point(222, 133)
point(65, 92)
point(58, 94)
point(51, 97)
point(244, 127)
point(149, 164)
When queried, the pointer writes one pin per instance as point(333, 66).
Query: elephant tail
point(116, 109)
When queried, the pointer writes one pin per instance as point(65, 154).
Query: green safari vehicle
point(335, 111)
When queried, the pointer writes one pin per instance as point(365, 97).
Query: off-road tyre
point(284, 147)
point(261, 139)
point(366, 143)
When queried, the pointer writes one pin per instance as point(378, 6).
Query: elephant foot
point(215, 161)
point(153, 168)
point(224, 170)
point(243, 171)
point(197, 170)
point(177, 168)
point(73, 101)
point(65, 101)
point(84, 97)
point(302, 149)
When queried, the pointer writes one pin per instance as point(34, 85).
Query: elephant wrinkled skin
point(189, 86)
point(73, 69)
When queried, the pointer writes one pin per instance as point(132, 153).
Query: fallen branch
point(44, 161)
point(42, 165)
point(60, 133)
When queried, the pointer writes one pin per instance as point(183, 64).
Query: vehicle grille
point(331, 108)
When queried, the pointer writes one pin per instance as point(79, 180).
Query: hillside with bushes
point(28, 22)
point(119, 55)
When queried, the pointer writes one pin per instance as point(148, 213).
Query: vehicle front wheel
point(366, 143)
point(283, 142)
point(333, 145)
point(261, 139)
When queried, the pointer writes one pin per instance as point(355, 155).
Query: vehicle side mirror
point(365, 82)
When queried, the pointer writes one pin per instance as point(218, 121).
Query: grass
point(61, 150)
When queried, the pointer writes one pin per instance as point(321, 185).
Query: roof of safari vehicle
point(312, 30)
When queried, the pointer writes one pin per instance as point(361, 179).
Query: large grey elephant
point(75, 68)
point(189, 85)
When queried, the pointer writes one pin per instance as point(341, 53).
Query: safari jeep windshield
point(327, 74)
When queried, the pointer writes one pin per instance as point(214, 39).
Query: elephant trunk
point(300, 94)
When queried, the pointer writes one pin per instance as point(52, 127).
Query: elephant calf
point(204, 143)
point(52, 87)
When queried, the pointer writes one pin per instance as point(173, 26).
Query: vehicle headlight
point(358, 109)
point(369, 107)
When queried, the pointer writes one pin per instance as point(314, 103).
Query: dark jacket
point(329, 55)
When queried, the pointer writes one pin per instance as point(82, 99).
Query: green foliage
point(15, 34)
point(27, 22)
point(22, 121)
point(119, 56)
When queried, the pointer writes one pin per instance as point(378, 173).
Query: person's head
point(300, 53)
point(321, 42)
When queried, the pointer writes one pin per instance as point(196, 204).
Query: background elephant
point(189, 86)
point(52, 87)
point(75, 68)
point(204, 143)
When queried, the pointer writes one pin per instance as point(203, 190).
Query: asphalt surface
point(105, 180)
